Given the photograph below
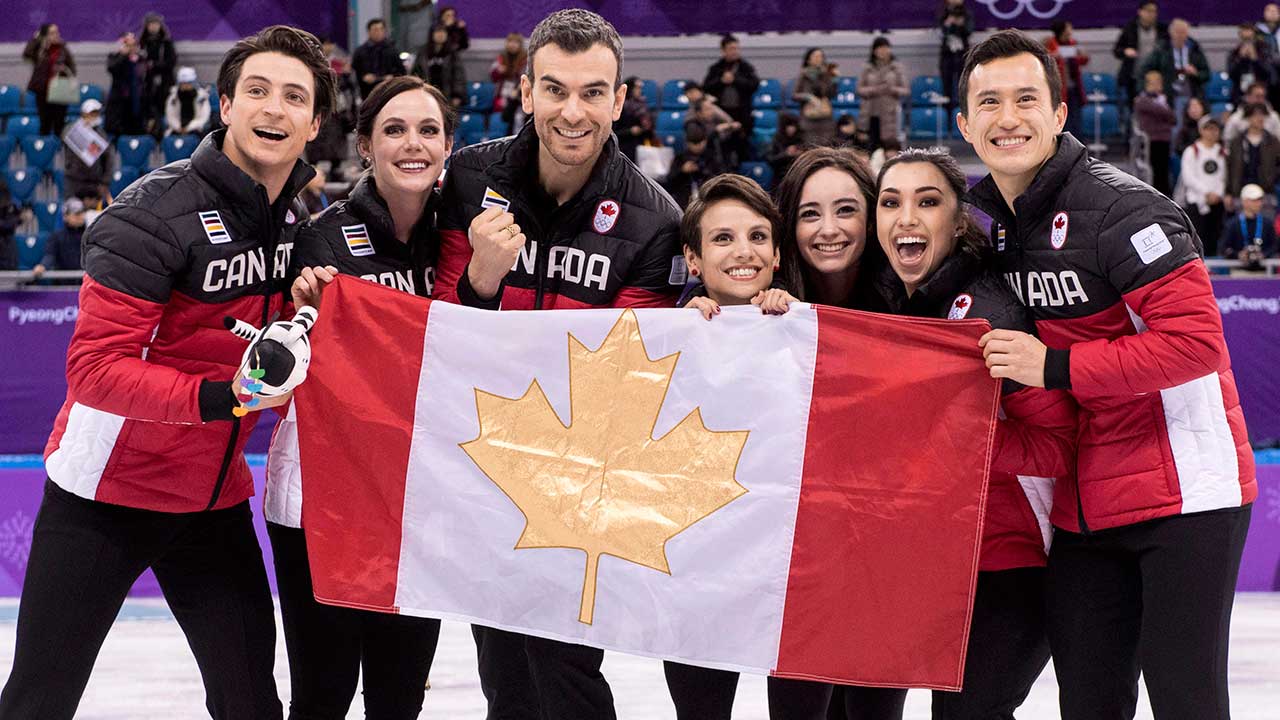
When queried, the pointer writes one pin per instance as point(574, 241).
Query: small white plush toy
point(277, 357)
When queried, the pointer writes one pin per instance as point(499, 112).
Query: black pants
point(865, 703)
point(85, 555)
point(329, 645)
point(53, 118)
point(1008, 647)
point(1208, 226)
point(707, 694)
point(1158, 154)
point(529, 678)
point(1152, 598)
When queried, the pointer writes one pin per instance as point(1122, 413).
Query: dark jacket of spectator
point(788, 143)
point(1129, 39)
point(88, 181)
point(684, 179)
point(1268, 154)
point(10, 218)
point(378, 59)
point(1163, 59)
point(126, 100)
point(47, 61)
point(161, 59)
point(441, 65)
point(633, 126)
point(1245, 69)
point(734, 98)
point(1155, 117)
point(62, 249)
point(1239, 231)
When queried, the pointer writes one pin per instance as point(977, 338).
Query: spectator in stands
point(1252, 157)
point(49, 57)
point(126, 100)
point(330, 145)
point(1248, 63)
point(186, 112)
point(882, 87)
point(788, 143)
point(732, 81)
point(1250, 234)
point(1182, 63)
point(313, 195)
point(90, 183)
point(693, 92)
point(722, 131)
point(1189, 125)
point(62, 249)
point(1236, 122)
point(1070, 58)
point(1204, 182)
point(1269, 34)
point(11, 217)
point(1155, 118)
point(1139, 38)
point(888, 150)
point(692, 167)
point(814, 90)
point(459, 38)
point(161, 59)
point(957, 25)
point(847, 133)
point(634, 126)
point(505, 73)
point(377, 59)
point(439, 63)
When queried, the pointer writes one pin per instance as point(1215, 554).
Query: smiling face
point(831, 222)
point(573, 102)
point(409, 145)
point(1012, 122)
point(738, 252)
point(271, 118)
point(917, 218)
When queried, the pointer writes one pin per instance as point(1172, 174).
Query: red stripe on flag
point(365, 415)
point(888, 528)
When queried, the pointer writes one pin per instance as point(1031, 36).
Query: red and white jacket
point(147, 422)
point(1112, 273)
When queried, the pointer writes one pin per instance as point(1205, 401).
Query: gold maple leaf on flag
point(603, 484)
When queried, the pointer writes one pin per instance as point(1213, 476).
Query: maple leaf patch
point(603, 483)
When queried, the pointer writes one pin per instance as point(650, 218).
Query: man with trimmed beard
point(556, 217)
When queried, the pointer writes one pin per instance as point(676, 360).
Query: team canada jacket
point(1113, 277)
point(1035, 438)
point(614, 244)
point(147, 422)
point(358, 237)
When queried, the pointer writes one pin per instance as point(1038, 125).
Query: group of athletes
point(1116, 380)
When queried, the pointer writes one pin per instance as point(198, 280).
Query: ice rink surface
point(146, 671)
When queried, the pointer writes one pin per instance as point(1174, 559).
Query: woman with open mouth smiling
point(940, 267)
point(384, 232)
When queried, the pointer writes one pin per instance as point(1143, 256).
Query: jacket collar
point(520, 162)
point(368, 207)
point(232, 183)
point(1043, 189)
point(941, 287)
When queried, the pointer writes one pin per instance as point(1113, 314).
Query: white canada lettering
point(1048, 289)
point(567, 263)
point(247, 268)
point(401, 281)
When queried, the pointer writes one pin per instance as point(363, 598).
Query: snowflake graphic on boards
point(15, 541)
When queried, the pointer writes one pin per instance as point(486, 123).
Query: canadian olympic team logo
point(1027, 6)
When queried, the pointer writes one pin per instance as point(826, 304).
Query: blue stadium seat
point(179, 147)
point(789, 102)
point(22, 125)
point(48, 216)
point(30, 250)
point(28, 102)
point(846, 92)
point(765, 120)
point(762, 138)
point(7, 144)
point(768, 95)
point(1219, 88)
point(22, 184)
point(649, 89)
point(135, 150)
point(761, 172)
point(924, 88)
point(10, 99)
point(673, 140)
point(89, 90)
point(1101, 84)
point(1219, 108)
point(670, 121)
point(1099, 120)
point(673, 95)
point(215, 108)
point(58, 178)
point(122, 179)
point(471, 129)
point(479, 97)
point(40, 150)
point(928, 123)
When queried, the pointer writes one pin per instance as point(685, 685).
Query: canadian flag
point(797, 495)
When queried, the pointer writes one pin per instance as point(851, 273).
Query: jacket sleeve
point(1037, 435)
point(130, 259)
point(1153, 259)
point(653, 281)
point(746, 80)
point(1124, 41)
point(455, 218)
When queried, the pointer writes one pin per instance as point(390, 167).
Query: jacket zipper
point(266, 314)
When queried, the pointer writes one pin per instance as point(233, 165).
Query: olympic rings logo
point(1021, 6)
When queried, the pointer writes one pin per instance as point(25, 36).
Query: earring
point(777, 267)
point(693, 271)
